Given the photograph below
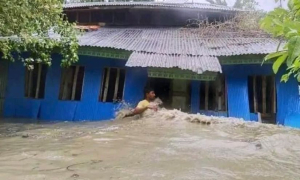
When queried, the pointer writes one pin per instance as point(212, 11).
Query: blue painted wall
point(237, 88)
point(236, 77)
point(136, 79)
point(288, 102)
point(89, 108)
point(237, 92)
point(15, 104)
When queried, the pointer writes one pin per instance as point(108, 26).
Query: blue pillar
point(287, 101)
point(53, 80)
point(89, 107)
point(136, 79)
point(15, 89)
point(238, 100)
point(92, 82)
point(195, 97)
point(16, 80)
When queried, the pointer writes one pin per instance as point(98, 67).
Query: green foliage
point(285, 24)
point(25, 25)
point(280, 60)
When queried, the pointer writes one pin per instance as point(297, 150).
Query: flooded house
point(130, 45)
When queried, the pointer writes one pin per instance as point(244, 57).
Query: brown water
point(166, 146)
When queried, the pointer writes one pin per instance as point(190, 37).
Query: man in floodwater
point(144, 104)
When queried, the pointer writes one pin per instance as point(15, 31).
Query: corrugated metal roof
point(176, 41)
point(197, 64)
point(152, 4)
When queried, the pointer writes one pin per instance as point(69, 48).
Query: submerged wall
point(288, 102)
point(88, 108)
point(237, 87)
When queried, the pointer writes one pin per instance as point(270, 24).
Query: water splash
point(168, 145)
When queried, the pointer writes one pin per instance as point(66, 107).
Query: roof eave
point(78, 6)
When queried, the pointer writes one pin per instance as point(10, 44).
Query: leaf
point(298, 77)
point(279, 62)
point(274, 55)
point(293, 49)
point(290, 4)
point(278, 22)
point(290, 32)
point(296, 63)
point(284, 78)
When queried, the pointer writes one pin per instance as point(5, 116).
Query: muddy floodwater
point(170, 145)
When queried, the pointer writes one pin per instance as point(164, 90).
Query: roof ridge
point(153, 3)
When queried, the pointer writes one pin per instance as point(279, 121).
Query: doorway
point(262, 98)
point(162, 88)
point(174, 93)
point(213, 95)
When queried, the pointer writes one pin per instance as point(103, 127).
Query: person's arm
point(142, 108)
point(139, 110)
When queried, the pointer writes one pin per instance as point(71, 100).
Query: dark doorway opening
point(162, 88)
point(213, 95)
point(262, 97)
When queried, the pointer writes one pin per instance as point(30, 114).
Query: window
point(262, 94)
point(35, 81)
point(112, 85)
point(71, 83)
point(213, 95)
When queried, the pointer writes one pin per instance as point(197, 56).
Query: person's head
point(149, 93)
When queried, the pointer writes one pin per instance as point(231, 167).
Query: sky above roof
point(266, 5)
